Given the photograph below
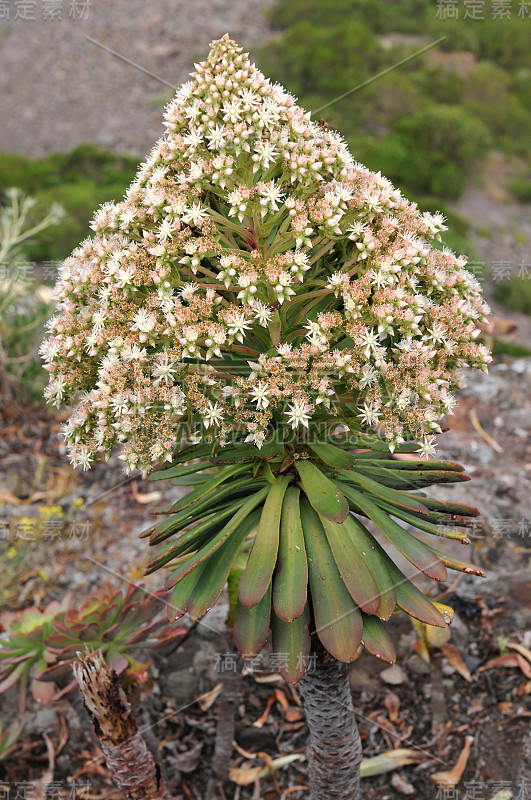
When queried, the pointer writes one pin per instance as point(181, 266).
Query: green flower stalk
point(290, 316)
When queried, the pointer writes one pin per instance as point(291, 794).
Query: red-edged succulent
point(38, 647)
point(9, 737)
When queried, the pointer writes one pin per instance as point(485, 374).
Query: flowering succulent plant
point(291, 317)
point(39, 646)
point(256, 276)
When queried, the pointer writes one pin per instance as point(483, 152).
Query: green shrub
point(441, 144)
point(322, 61)
point(406, 16)
point(520, 187)
point(79, 181)
point(515, 293)
point(80, 199)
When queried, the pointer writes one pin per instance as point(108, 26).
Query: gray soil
point(59, 89)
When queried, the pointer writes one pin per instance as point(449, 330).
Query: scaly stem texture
point(226, 716)
point(334, 754)
point(126, 755)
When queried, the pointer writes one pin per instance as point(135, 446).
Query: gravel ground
point(488, 433)
point(58, 89)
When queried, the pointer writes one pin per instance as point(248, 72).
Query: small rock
point(417, 665)
point(472, 663)
point(45, 720)
point(405, 643)
point(401, 785)
point(181, 685)
point(393, 675)
point(361, 680)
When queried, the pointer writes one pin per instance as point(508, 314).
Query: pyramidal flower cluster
point(256, 276)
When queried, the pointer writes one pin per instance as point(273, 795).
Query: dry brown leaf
point(476, 706)
point(421, 648)
point(63, 735)
point(281, 698)
point(187, 762)
point(89, 768)
point(454, 659)
point(268, 761)
point(391, 760)
point(248, 774)
point(144, 498)
point(483, 433)
point(497, 326)
point(41, 785)
point(260, 722)
point(505, 707)
point(204, 701)
point(452, 776)
point(509, 660)
point(242, 752)
point(392, 704)
point(524, 651)
point(385, 724)
point(244, 775)
point(8, 497)
point(291, 714)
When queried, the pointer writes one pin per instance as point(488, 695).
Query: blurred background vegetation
point(428, 125)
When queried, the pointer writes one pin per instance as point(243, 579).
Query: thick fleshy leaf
point(291, 645)
point(191, 540)
point(372, 443)
point(117, 661)
point(351, 561)
point(412, 548)
point(379, 571)
point(179, 472)
point(445, 506)
point(325, 496)
point(420, 522)
point(56, 672)
point(331, 455)
point(191, 480)
point(222, 476)
point(217, 541)
point(8, 681)
point(215, 571)
point(452, 562)
point(337, 617)
point(291, 575)
point(422, 466)
point(411, 479)
point(177, 605)
point(42, 692)
point(209, 502)
point(234, 455)
point(410, 598)
point(376, 639)
point(251, 625)
point(385, 492)
point(170, 525)
point(263, 557)
point(189, 453)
